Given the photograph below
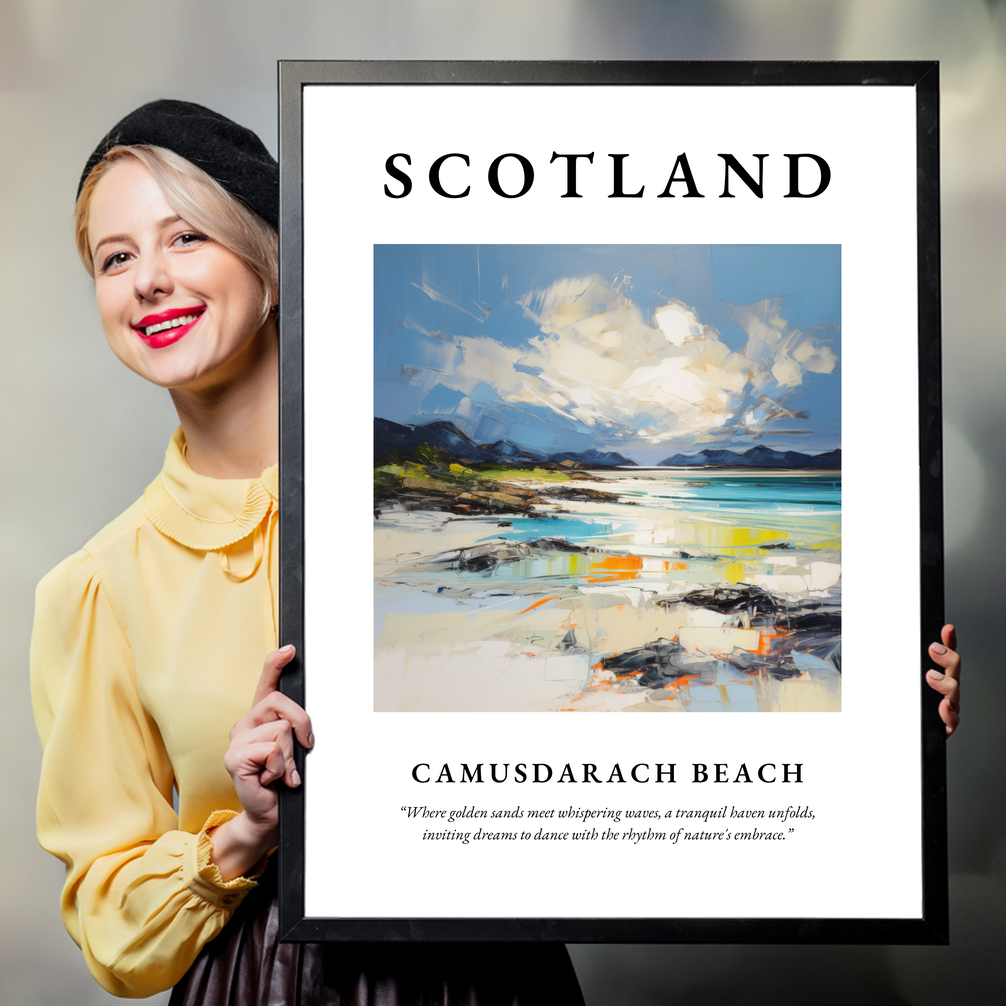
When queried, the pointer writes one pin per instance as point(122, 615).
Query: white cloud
point(780, 350)
point(600, 362)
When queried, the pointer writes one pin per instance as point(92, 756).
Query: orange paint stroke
point(616, 567)
point(538, 604)
point(765, 643)
point(682, 681)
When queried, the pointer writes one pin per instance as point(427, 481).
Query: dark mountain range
point(395, 439)
point(391, 437)
point(603, 459)
point(757, 457)
point(504, 450)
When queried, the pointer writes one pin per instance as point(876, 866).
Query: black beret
point(230, 154)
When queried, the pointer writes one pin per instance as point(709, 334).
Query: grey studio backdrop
point(83, 437)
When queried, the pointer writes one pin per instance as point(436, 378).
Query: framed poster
point(610, 389)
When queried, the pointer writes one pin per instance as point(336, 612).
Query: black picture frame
point(932, 926)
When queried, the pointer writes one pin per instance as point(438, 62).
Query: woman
point(148, 643)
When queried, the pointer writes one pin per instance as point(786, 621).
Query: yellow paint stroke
point(733, 572)
point(835, 543)
point(717, 536)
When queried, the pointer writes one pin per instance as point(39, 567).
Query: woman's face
point(177, 308)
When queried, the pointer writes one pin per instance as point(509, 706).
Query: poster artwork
point(627, 456)
point(607, 478)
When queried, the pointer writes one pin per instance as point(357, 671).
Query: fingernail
point(310, 740)
point(295, 777)
point(938, 648)
point(936, 675)
point(287, 649)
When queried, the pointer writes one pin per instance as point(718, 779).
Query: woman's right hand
point(260, 753)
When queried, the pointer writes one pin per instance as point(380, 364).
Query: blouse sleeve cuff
point(202, 876)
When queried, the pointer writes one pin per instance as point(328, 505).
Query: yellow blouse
point(147, 647)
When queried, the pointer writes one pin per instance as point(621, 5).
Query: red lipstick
point(166, 327)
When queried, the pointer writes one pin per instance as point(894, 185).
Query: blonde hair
point(199, 200)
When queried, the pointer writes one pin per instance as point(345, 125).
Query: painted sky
point(647, 350)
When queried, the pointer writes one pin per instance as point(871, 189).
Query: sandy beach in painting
point(676, 591)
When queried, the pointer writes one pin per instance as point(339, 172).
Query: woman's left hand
point(948, 681)
point(260, 754)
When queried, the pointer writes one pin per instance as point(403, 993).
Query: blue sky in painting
point(647, 350)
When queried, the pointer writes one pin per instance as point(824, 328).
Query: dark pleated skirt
point(246, 965)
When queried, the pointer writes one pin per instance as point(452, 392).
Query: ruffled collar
point(203, 513)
